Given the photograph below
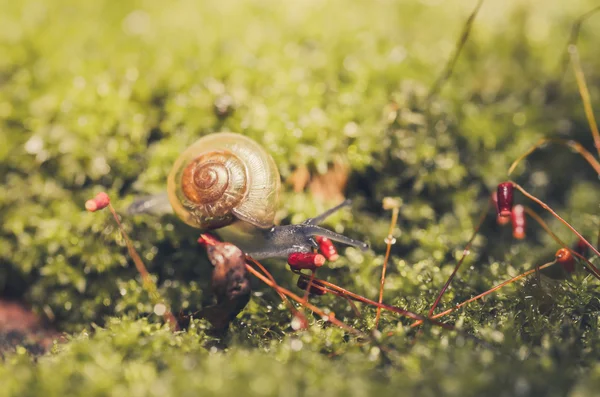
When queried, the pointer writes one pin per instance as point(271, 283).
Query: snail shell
point(223, 177)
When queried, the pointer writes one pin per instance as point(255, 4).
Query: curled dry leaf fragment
point(230, 283)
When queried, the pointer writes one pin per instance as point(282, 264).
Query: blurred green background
point(104, 96)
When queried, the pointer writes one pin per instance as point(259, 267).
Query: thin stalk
point(397, 310)
point(572, 144)
point(310, 284)
point(331, 318)
point(270, 276)
point(466, 252)
point(147, 281)
point(449, 68)
point(573, 38)
point(544, 226)
point(592, 268)
point(497, 287)
point(316, 283)
point(389, 242)
point(585, 95)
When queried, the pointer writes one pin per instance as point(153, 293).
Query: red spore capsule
point(314, 289)
point(566, 260)
point(500, 220)
point(97, 203)
point(517, 216)
point(581, 248)
point(505, 199)
point(206, 239)
point(310, 261)
point(327, 248)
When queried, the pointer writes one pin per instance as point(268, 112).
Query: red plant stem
point(573, 252)
point(497, 287)
point(147, 281)
point(331, 317)
point(544, 226)
point(466, 252)
point(309, 286)
point(592, 268)
point(317, 283)
point(393, 309)
point(270, 276)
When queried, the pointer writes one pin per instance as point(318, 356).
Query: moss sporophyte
point(228, 184)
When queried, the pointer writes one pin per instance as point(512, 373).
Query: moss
point(103, 96)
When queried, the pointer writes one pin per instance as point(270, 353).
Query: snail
point(227, 183)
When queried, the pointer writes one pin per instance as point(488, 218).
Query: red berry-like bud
point(564, 257)
point(517, 216)
point(502, 220)
point(581, 248)
point(314, 289)
point(505, 199)
point(207, 239)
point(301, 260)
point(97, 203)
point(327, 248)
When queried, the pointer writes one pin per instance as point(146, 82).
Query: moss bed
point(104, 95)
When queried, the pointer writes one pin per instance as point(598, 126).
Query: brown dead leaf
point(331, 185)
point(327, 187)
point(299, 179)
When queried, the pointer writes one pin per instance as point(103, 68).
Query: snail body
point(228, 183)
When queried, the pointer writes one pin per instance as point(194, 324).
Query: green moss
point(103, 96)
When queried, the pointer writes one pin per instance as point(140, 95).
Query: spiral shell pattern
point(213, 185)
point(223, 177)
